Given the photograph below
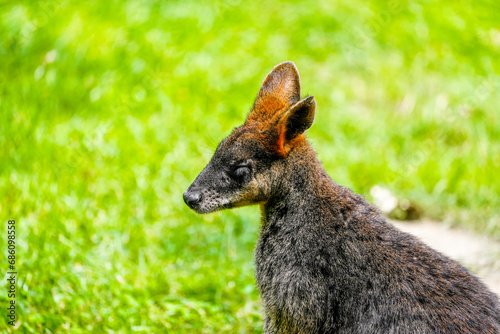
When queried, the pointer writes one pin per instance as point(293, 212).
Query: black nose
point(192, 198)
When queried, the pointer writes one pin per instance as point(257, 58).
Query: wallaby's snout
point(198, 194)
point(192, 198)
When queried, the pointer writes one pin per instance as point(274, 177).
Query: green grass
point(108, 110)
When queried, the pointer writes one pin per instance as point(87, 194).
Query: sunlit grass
point(108, 110)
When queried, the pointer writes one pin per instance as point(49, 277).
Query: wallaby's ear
point(295, 122)
point(279, 91)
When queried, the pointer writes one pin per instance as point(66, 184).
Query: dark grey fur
point(326, 260)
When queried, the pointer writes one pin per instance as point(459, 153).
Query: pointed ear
point(279, 91)
point(295, 122)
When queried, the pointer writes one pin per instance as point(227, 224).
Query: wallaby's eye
point(240, 171)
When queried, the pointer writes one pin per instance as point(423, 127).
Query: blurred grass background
point(109, 109)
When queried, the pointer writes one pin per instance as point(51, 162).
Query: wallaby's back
point(326, 260)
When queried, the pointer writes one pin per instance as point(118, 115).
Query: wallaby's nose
point(192, 198)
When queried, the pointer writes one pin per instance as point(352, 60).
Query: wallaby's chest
point(285, 250)
point(275, 249)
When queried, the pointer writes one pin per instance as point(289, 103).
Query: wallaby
point(326, 260)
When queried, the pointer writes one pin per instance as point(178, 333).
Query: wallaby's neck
point(304, 185)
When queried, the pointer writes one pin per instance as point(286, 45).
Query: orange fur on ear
point(279, 111)
point(280, 144)
point(279, 91)
point(293, 123)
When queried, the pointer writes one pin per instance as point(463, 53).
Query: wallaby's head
point(247, 164)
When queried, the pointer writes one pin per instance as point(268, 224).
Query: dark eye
point(240, 171)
